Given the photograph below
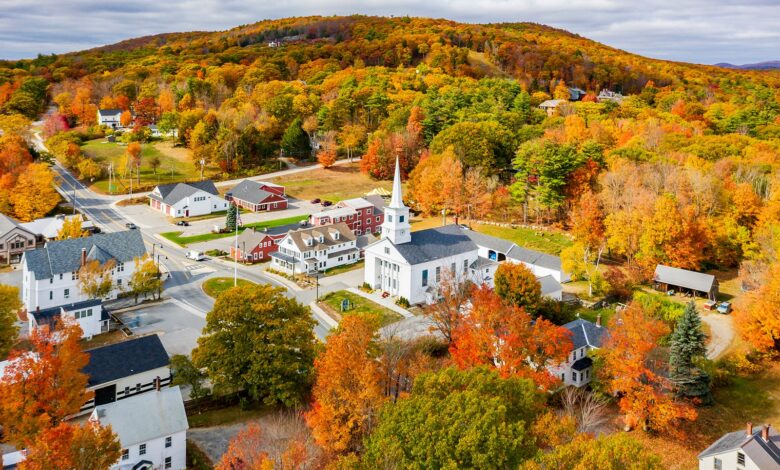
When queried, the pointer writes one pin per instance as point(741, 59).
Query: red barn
point(256, 245)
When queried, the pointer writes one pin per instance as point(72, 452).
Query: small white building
point(48, 228)
point(50, 274)
point(89, 314)
point(152, 430)
point(110, 118)
point(578, 368)
point(550, 106)
point(752, 449)
point(187, 199)
point(122, 370)
point(316, 249)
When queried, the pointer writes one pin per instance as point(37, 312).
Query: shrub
point(403, 302)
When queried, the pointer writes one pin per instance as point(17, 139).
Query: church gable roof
point(434, 244)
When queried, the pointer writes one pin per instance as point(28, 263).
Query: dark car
point(94, 230)
point(315, 201)
point(326, 203)
point(183, 223)
point(131, 226)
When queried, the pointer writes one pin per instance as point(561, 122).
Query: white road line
point(186, 306)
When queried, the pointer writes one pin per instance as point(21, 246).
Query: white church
point(411, 264)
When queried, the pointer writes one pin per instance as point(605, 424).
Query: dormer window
point(336, 235)
point(321, 239)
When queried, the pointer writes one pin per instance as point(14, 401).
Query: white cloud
point(688, 30)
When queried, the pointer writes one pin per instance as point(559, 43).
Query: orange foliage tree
point(77, 447)
point(630, 372)
point(245, 451)
point(758, 316)
point(40, 388)
point(326, 158)
point(506, 337)
point(347, 391)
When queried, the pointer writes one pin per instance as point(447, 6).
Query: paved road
point(183, 287)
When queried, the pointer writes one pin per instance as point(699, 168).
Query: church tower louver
point(396, 226)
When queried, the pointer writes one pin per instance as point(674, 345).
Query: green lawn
point(228, 415)
point(175, 165)
point(547, 242)
point(176, 237)
point(216, 285)
point(342, 269)
point(359, 305)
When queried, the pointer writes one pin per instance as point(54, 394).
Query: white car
point(195, 255)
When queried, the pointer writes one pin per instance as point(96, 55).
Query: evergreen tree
point(295, 142)
point(232, 217)
point(687, 344)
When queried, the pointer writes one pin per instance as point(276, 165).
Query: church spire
point(397, 200)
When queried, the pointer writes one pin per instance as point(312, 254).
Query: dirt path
point(721, 333)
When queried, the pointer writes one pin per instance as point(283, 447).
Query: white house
point(48, 228)
point(752, 449)
point(316, 249)
point(152, 430)
point(89, 314)
point(578, 368)
point(122, 370)
point(187, 199)
point(50, 274)
point(110, 117)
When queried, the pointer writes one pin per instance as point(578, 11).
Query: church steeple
point(396, 226)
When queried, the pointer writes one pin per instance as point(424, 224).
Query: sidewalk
point(323, 317)
point(386, 302)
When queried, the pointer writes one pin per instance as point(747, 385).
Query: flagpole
point(235, 250)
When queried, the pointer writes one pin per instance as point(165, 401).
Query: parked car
point(183, 223)
point(710, 305)
point(131, 226)
point(315, 201)
point(326, 203)
point(195, 255)
point(724, 307)
point(94, 230)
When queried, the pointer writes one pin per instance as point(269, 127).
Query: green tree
point(607, 452)
point(258, 340)
point(518, 286)
point(687, 345)
point(488, 145)
point(9, 305)
point(295, 142)
point(185, 373)
point(232, 218)
point(457, 419)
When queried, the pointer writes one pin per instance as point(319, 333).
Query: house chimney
point(598, 320)
point(765, 433)
point(456, 220)
point(83, 257)
point(749, 429)
point(157, 383)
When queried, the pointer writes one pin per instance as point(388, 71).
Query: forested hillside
point(683, 171)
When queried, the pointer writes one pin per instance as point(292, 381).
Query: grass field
point(217, 285)
point(175, 165)
point(333, 184)
point(176, 237)
point(359, 305)
point(544, 241)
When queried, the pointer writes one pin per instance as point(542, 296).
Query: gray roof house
point(753, 449)
point(667, 277)
point(436, 243)
point(15, 239)
point(65, 256)
point(585, 336)
point(174, 192)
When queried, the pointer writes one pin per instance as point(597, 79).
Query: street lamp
point(317, 284)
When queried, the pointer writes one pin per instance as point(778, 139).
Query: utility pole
point(74, 197)
point(235, 250)
point(202, 164)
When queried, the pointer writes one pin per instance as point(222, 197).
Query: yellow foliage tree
point(34, 195)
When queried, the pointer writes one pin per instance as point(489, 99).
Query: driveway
point(721, 333)
point(177, 324)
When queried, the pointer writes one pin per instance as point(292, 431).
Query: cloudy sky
point(702, 31)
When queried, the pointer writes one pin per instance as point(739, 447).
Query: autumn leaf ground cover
point(359, 305)
point(334, 184)
point(174, 164)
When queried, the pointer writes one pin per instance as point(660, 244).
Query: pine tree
point(295, 142)
point(687, 343)
point(232, 216)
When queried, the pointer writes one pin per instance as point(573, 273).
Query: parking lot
point(178, 325)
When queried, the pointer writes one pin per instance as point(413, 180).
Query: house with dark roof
point(15, 239)
point(122, 370)
point(754, 448)
point(89, 314)
point(258, 196)
point(667, 278)
point(50, 273)
point(586, 336)
point(316, 249)
point(187, 199)
point(110, 118)
point(152, 429)
point(254, 245)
